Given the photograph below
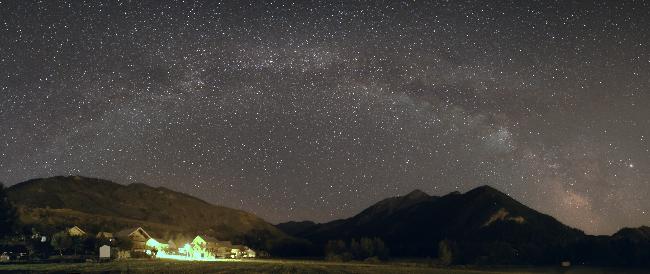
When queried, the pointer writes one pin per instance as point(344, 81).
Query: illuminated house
point(223, 249)
point(137, 236)
point(160, 248)
point(75, 231)
point(236, 252)
point(209, 243)
point(204, 244)
point(195, 251)
point(249, 253)
point(201, 248)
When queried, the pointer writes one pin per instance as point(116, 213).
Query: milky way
point(316, 110)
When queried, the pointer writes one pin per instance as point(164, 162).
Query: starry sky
point(314, 110)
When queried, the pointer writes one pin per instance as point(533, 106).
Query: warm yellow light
point(189, 252)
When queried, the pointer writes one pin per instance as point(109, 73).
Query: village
point(74, 243)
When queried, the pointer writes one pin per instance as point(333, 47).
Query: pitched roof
point(198, 238)
point(76, 228)
point(207, 239)
point(104, 234)
point(129, 231)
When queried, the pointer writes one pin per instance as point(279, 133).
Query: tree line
point(370, 249)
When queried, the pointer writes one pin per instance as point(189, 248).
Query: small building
point(241, 251)
point(222, 249)
point(249, 253)
point(104, 252)
point(137, 236)
point(204, 246)
point(75, 231)
point(237, 251)
point(207, 242)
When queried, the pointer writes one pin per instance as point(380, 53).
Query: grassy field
point(277, 266)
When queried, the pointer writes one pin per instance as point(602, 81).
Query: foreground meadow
point(279, 266)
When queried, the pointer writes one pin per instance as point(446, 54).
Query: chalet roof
point(104, 234)
point(159, 241)
point(207, 239)
point(129, 231)
point(77, 228)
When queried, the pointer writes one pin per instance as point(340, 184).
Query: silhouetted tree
point(8, 216)
point(90, 245)
point(380, 249)
point(355, 249)
point(445, 255)
point(38, 249)
point(77, 244)
point(363, 249)
point(336, 251)
point(124, 243)
point(61, 242)
point(367, 248)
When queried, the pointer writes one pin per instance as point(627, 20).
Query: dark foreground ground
point(282, 266)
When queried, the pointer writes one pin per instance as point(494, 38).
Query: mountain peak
point(416, 194)
point(485, 189)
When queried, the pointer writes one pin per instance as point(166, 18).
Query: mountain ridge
point(101, 205)
point(480, 226)
point(477, 222)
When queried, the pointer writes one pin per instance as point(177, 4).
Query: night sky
point(316, 110)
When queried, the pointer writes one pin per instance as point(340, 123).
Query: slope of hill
point(95, 204)
point(295, 228)
point(487, 225)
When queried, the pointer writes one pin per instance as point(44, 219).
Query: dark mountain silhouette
point(639, 234)
point(100, 205)
point(627, 247)
point(482, 226)
point(294, 228)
